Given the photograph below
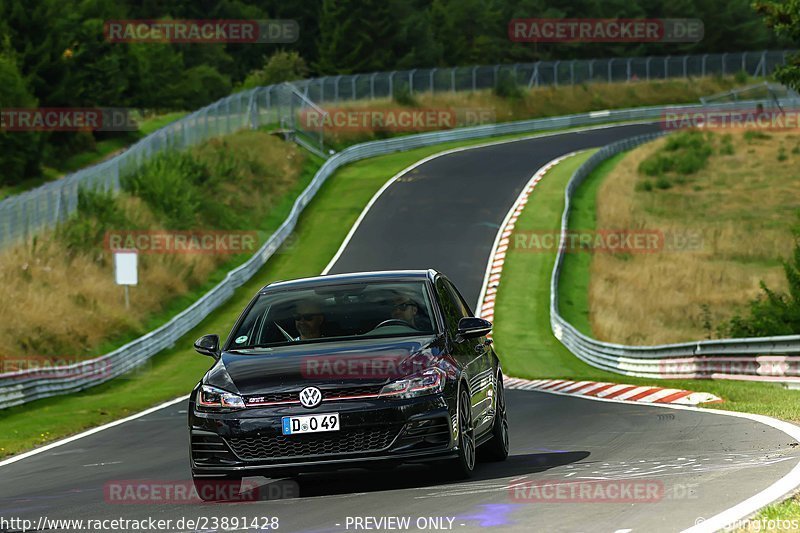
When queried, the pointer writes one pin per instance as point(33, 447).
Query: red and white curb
point(503, 240)
point(612, 391)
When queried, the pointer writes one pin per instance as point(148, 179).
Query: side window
point(452, 306)
point(463, 307)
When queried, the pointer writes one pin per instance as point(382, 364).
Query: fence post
point(391, 83)
point(647, 67)
point(495, 74)
point(628, 69)
point(610, 75)
point(572, 72)
point(703, 64)
point(372, 86)
point(353, 89)
point(724, 56)
point(555, 73)
point(666, 67)
point(411, 80)
point(474, 79)
point(685, 66)
point(432, 80)
point(591, 70)
point(453, 79)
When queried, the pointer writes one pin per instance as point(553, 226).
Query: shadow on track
point(417, 476)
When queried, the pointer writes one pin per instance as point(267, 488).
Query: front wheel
point(496, 449)
point(463, 466)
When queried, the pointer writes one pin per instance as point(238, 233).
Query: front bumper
point(373, 432)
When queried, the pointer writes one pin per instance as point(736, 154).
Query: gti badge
point(310, 397)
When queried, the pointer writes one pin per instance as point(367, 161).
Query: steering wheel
point(394, 322)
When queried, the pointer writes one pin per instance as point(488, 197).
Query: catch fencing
point(24, 214)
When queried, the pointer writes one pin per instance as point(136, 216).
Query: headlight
point(430, 381)
point(212, 398)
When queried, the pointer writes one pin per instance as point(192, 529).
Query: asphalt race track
point(445, 214)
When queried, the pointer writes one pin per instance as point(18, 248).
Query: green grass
point(573, 298)
point(523, 336)
point(172, 373)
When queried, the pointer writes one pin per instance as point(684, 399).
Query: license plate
point(310, 423)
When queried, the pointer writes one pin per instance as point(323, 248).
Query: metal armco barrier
point(759, 359)
point(21, 387)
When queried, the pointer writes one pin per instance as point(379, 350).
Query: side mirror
point(470, 327)
point(208, 345)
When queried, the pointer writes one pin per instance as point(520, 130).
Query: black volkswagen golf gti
point(350, 370)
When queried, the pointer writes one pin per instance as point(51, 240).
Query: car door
point(482, 384)
point(464, 352)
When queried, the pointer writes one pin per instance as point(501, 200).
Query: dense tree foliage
point(55, 53)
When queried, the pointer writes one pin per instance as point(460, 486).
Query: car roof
point(353, 277)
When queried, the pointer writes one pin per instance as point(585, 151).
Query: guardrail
point(25, 386)
point(760, 359)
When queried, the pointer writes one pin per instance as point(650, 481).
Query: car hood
point(327, 365)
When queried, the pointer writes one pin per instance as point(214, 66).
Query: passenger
point(308, 319)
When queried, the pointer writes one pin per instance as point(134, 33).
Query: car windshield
point(343, 311)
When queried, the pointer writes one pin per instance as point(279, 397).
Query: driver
point(308, 319)
point(405, 308)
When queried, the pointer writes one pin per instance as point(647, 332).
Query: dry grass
point(740, 209)
point(543, 101)
point(66, 304)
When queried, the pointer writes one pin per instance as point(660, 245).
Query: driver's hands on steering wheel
point(394, 322)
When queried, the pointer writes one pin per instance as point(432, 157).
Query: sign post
point(126, 271)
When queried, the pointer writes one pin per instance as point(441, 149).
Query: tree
point(784, 18)
point(20, 152)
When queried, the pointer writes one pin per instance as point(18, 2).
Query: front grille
point(327, 394)
point(332, 443)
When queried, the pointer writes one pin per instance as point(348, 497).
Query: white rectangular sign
point(126, 267)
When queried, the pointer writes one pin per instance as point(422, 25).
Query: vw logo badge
point(310, 397)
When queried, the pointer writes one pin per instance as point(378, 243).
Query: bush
point(684, 153)
point(402, 96)
point(773, 313)
point(168, 183)
point(782, 154)
point(506, 86)
point(741, 77)
point(281, 66)
point(98, 211)
point(755, 135)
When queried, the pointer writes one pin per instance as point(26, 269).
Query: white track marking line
point(92, 431)
point(408, 169)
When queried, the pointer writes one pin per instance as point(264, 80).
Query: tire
point(463, 466)
point(496, 449)
point(217, 489)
